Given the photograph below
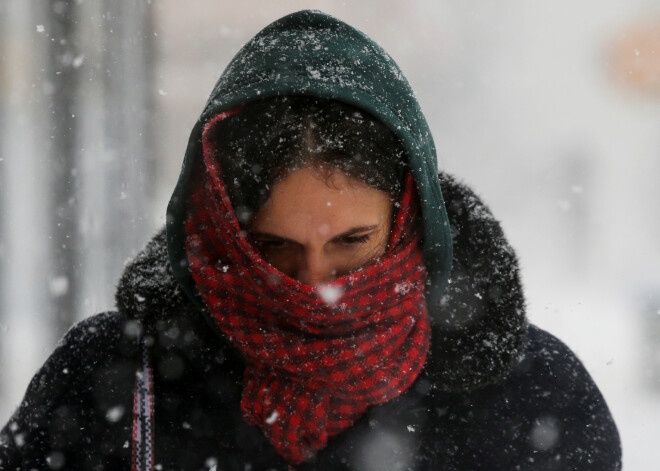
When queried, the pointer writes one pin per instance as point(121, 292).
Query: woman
point(321, 299)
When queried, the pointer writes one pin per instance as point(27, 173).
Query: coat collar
point(478, 336)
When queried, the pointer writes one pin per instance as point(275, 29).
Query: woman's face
point(317, 226)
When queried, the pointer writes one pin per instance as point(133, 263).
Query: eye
point(270, 244)
point(354, 239)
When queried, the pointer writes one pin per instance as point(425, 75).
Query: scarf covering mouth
point(314, 363)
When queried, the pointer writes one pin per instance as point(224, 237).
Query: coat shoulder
point(94, 340)
point(547, 357)
point(552, 382)
point(79, 387)
point(103, 328)
point(546, 413)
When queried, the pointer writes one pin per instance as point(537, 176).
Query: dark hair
point(268, 139)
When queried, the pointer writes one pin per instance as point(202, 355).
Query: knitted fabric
point(314, 363)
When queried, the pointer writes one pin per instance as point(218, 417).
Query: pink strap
point(143, 414)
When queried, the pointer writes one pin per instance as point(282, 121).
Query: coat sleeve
point(570, 411)
point(64, 398)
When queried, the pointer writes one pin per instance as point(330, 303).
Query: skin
point(318, 225)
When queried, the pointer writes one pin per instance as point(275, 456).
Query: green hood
point(311, 53)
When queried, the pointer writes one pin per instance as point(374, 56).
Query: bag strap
point(143, 414)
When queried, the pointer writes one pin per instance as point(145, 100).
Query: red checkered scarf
point(314, 362)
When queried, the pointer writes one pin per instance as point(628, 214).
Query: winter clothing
point(310, 53)
point(494, 393)
point(546, 414)
point(314, 363)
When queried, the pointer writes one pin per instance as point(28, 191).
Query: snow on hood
point(311, 53)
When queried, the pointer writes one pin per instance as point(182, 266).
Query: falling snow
point(272, 418)
point(59, 286)
point(330, 293)
point(386, 451)
point(115, 414)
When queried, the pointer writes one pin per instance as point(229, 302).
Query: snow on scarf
point(313, 365)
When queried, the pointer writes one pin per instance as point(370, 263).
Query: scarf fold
point(316, 357)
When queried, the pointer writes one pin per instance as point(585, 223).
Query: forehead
point(309, 200)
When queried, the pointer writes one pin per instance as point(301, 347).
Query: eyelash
point(271, 244)
point(280, 244)
point(355, 239)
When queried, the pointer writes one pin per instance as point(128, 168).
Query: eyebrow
point(348, 233)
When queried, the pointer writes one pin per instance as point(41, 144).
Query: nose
point(315, 269)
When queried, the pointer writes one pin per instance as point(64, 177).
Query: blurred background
point(550, 110)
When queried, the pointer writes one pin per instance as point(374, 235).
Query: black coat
point(494, 394)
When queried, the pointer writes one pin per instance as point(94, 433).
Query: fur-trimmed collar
point(478, 336)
